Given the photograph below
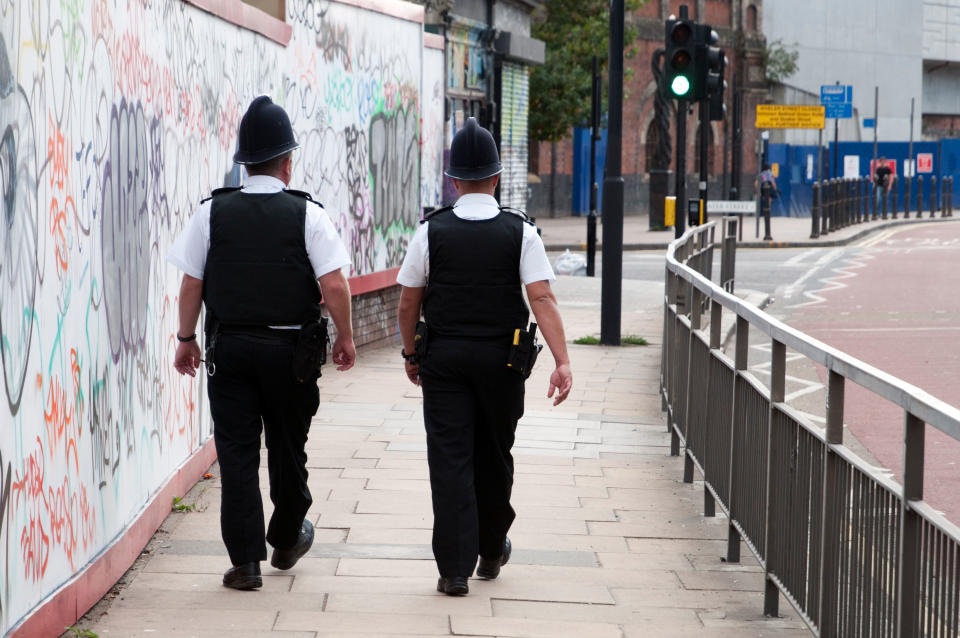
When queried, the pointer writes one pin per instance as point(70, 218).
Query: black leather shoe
point(287, 558)
point(246, 576)
point(453, 585)
point(489, 568)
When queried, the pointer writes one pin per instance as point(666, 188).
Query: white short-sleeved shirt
point(534, 265)
point(324, 248)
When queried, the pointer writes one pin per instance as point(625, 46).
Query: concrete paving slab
point(608, 540)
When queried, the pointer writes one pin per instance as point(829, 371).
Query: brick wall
point(374, 317)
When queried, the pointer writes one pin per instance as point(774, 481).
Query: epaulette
point(304, 194)
point(220, 191)
point(516, 211)
point(434, 212)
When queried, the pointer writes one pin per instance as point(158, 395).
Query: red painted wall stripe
point(374, 281)
point(62, 607)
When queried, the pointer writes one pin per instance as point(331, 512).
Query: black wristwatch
point(409, 358)
point(192, 337)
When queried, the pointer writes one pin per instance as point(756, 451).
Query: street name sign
point(836, 94)
point(731, 206)
point(789, 116)
point(839, 111)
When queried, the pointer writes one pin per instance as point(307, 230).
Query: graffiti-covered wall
point(431, 166)
point(116, 117)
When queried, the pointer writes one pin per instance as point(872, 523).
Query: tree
point(779, 62)
point(574, 31)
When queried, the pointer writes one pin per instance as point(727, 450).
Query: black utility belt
point(523, 346)
point(311, 342)
point(286, 334)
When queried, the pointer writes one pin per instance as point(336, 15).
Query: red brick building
point(737, 22)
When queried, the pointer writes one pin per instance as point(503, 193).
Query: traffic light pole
point(704, 149)
point(680, 188)
point(612, 256)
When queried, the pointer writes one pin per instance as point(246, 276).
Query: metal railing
point(853, 551)
point(838, 203)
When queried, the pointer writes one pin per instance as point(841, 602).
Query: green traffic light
point(680, 85)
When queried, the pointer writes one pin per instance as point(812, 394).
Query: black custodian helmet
point(473, 153)
point(265, 133)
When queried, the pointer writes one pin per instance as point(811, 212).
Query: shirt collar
point(261, 183)
point(476, 206)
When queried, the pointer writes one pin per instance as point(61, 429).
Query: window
point(752, 18)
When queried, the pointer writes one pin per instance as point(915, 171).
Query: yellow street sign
point(788, 116)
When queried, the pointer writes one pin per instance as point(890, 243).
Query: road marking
point(832, 283)
point(876, 239)
point(827, 257)
point(796, 259)
point(910, 329)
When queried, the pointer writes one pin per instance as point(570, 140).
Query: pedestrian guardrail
point(838, 203)
point(855, 552)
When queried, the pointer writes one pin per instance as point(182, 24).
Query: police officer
point(253, 256)
point(465, 269)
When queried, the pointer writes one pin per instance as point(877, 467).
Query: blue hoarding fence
point(798, 169)
point(581, 170)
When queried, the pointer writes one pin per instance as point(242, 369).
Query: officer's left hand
point(344, 353)
point(413, 372)
point(187, 358)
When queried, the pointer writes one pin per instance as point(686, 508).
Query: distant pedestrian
point(253, 256)
point(767, 182)
point(882, 178)
point(466, 268)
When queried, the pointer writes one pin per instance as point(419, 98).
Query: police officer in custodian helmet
point(465, 269)
point(253, 256)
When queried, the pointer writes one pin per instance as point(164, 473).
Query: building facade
point(489, 54)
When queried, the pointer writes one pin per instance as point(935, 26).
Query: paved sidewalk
point(608, 541)
point(560, 233)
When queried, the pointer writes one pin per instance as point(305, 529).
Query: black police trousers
point(471, 405)
point(251, 389)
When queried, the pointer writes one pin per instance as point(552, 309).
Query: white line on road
point(796, 259)
point(927, 329)
point(829, 256)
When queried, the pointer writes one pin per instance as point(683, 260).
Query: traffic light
point(716, 86)
point(680, 60)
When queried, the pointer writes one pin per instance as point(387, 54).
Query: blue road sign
point(836, 94)
point(868, 122)
point(838, 111)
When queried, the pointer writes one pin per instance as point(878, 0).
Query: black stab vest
point(474, 287)
point(258, 272)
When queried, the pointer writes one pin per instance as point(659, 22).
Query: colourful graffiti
point(116, 118)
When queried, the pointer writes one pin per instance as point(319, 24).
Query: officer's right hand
point(413, 372)
point(561, 380)
point(187, 358)
point(344, 353)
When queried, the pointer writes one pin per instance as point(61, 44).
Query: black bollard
point(893, 197)
point(824, 206)
point(866, 199)
point(933, 196)
point(815, 212)
point(919, 196)
point(765, 202)
point(906, 197)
